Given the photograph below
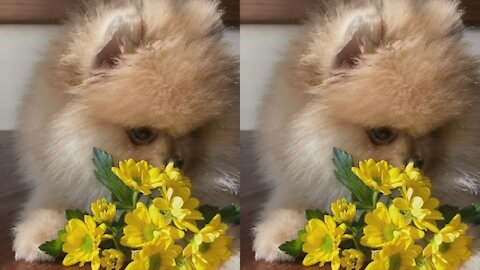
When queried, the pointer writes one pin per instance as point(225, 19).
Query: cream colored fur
point(124, 64)
point(408, 71)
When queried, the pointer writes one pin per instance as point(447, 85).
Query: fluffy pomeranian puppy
point(149, 80)
point(389, 80)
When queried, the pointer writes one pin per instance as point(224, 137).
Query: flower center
point(137, 179)
point(421, 261)
point(377, 179)
point(148, 231)
point(181, 262)
point(204, 247)
point(352, 262)
point(87, 244)
point(388, 232)
point(113, 263)
point(394, 262)
point(444, 247)
point(327, 244)
point(154, 262)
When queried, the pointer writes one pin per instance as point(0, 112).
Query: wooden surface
point(253, 195)
point(12, 195)
point(53, 11)
point(294, 11)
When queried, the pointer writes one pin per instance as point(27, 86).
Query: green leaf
point(75, 213)
point(294, 247)
point(343, 171)
point(347, 244)
point(471, 214)
point(103, 171)
point(54, 247)
point(231, 214)
point(208, 212)
point(448, 212)
point(314, 213)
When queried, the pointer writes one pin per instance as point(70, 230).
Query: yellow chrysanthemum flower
point(343, 211)
point(143, 225)
point(204, 251)
point(321, 242)
point(418, 205)
point(380, 176)
point(450, 246)
point(352, 259)
point(112, 259)
point(209, 255)
point(159, 254)
point(383, 225)
point(81, 241)
point(414, 178)
point(172, 177)
point(211, 231)
point(450, 255)
point(452, 230)
point(103, 211)
point(399, 254)
point(140, 176)
point(178, 206)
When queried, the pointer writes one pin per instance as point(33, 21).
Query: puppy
point(149, 80)
point(389, 80)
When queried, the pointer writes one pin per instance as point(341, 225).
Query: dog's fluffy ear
point(362, 33)
point(122, 32)
point(96, 38)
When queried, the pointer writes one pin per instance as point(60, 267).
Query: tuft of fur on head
point(371, 64)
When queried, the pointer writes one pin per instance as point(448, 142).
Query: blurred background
point(268, 26)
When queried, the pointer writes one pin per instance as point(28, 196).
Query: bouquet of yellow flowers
point(150, 221)
point(390, 221)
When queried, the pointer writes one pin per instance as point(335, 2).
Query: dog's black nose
point(177, 161)
point(417, 161)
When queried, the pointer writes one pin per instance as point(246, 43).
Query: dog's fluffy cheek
point(68, 156)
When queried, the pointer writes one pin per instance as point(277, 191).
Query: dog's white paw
point(473, 263)
point(233, 263)
point(279, 226)
point(34, 229)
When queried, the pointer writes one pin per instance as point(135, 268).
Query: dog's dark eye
point(381, 135)
point(142, 135)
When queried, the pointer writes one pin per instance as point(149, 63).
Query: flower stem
point(375, 199)
point(135, 199)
